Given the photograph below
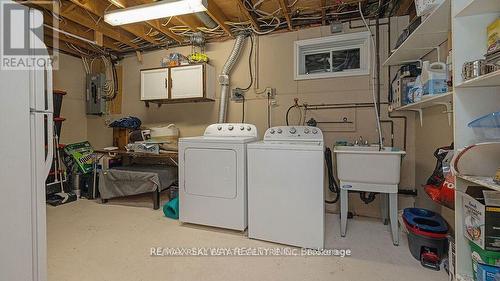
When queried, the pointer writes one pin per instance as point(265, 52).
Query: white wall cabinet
point(187, 83)
point(154, 84)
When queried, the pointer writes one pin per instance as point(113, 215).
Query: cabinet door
point(187, 82)
point(154, 84)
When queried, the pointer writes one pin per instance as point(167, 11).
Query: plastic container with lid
point(166, 134)
point(480, 256)
point(487, 127)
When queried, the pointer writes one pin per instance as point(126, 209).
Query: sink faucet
point(361, 142)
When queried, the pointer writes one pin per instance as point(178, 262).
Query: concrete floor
point(91, 241)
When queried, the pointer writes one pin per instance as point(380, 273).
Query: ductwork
point(206, 20)
point(224, 76)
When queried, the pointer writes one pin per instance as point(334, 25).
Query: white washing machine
point(213, 178)
point(286, 187)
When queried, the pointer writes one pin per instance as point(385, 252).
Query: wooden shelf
point(482, 181)
point(478, 7)
point(445, 100)
point(488, 80)
point(432, 32)
point(174, 101)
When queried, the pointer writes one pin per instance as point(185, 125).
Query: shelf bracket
point(420, 115)
point(449, 110)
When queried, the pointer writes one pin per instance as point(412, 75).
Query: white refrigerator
point(26, 126)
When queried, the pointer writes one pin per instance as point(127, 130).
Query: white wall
point(70, 77)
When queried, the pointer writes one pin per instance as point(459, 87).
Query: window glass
point(333, 56)
point(345, 60)
point(317, 63)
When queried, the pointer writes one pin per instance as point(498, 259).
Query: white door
point(187, 82)
point(154, 84)
point(217, 179)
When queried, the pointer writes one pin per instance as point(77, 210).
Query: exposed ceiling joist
point(77, 30)
point(80, 43)
point(51, 35)
point(73, 13)
point(156, 24)
point(98, 8)
point(190, 21)
point(285, 10)
point(218, 16)
point(404, 7)
point(323, 12)
point(62, 47)
point(84, 18)
point(248, 14)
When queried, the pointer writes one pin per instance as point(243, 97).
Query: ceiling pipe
point(206, 20)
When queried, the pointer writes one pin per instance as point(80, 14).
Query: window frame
point(358, 40)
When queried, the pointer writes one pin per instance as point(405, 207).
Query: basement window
point(333, 56)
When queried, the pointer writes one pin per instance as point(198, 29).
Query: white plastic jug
point(434, 77)
point(435, 70)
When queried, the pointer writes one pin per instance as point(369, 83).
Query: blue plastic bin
point(487, 272)
point(487, 127)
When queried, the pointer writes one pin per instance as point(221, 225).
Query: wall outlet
point(336, 27)
point(270, 91)
point(237, 95)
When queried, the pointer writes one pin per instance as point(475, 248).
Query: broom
point(66, 197)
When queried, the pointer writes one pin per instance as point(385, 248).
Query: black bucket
point(428, 250)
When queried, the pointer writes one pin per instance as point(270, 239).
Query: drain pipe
point(224, 76)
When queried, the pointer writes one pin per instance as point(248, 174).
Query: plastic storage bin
point(488, 272)
point(479, 257)
point(487, 127)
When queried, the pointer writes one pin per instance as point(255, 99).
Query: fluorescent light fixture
point(156, 10)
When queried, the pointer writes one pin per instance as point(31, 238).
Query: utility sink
point(369, 165)
point(370, 169)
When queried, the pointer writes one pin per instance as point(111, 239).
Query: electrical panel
point(96, 102)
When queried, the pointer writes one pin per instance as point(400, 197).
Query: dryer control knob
point(249, 128)
point(271, 131)
point(219, 128)
point(279, 131)
point(306, 131)
point(314, 131)
point(230, 127)
point(242, 128)
point(293, 130)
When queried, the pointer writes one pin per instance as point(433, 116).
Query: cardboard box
point(121, 137)
point(481, 223)
point(493, 33)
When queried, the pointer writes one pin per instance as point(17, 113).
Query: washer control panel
point(231, 130)
point(293, 132)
